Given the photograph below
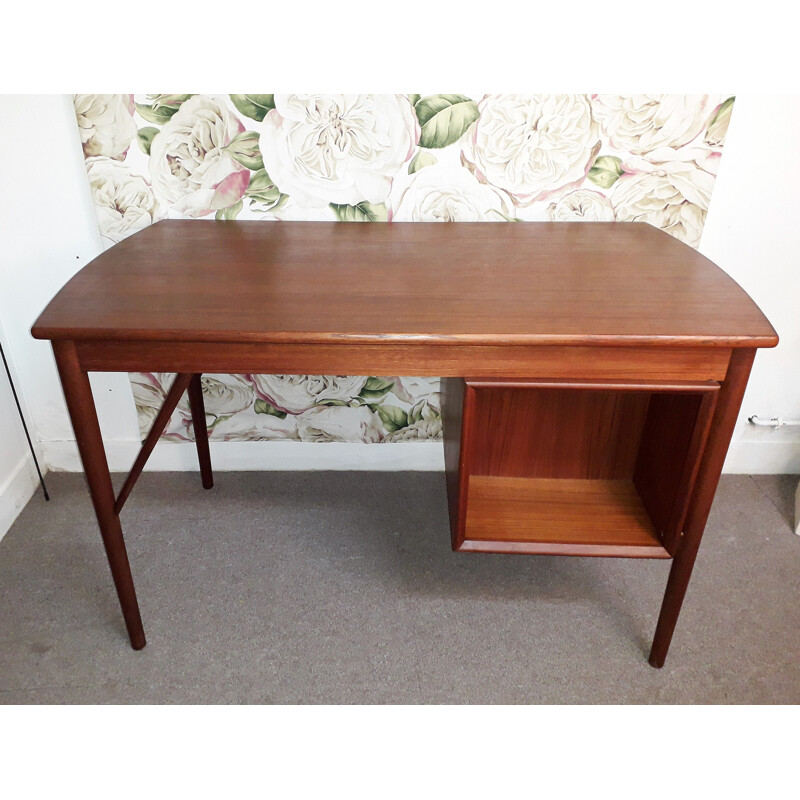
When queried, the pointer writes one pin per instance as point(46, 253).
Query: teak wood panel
point(442, 360)
point(650, 436)
point(564, 516)
point(478, 283)
point(557, 433)
point(672, 443)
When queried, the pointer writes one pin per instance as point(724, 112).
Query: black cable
point(24, 426)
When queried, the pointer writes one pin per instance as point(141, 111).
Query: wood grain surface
point(441, 283)
point(565, 452)
point(388, 358)
point(557, 433)
point(669, 456)
point(599, 513)
point(609, 469)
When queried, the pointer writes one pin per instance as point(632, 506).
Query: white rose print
point(191, 170)
point(342, 149)
point(106, 125)
point(532, 145)
point(124, 201)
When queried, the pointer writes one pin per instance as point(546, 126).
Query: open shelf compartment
point(574, 468)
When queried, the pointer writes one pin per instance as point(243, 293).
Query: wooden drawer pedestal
point(574, 467)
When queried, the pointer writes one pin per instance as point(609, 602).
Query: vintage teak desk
point(593, 372)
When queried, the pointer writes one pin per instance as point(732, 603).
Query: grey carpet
point(341, 588)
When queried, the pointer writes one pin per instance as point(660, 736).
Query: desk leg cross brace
point(81, 407)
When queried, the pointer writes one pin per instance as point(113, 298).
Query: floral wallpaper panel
point(376, 158)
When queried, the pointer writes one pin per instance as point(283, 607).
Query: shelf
point(558, 516)
point(579, 467)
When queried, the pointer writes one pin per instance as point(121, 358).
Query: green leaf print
point(263, 407)
point(145, 138)
point(254, 106)
point(262, 189)
point(173, 101)
point(392, 417)
point(229, 213)
point(606, 171)
point(718, 127)
point(363, 212)
point(244, 148)
point(443, 118)
point(156, 115)
point(414, 98)
point(375, 388)
point(421, 160)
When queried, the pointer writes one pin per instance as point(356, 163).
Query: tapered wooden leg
point(728, 404)
point(200, 430)
point(80, 404)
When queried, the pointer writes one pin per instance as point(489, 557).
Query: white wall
point(18, 478)
point(753, 233)
point(49, 232)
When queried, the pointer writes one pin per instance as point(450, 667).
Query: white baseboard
point(744, 457)
point(15, 492)
point(257, 456)
point(763, 457)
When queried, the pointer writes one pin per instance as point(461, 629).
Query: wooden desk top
point(438, 283)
